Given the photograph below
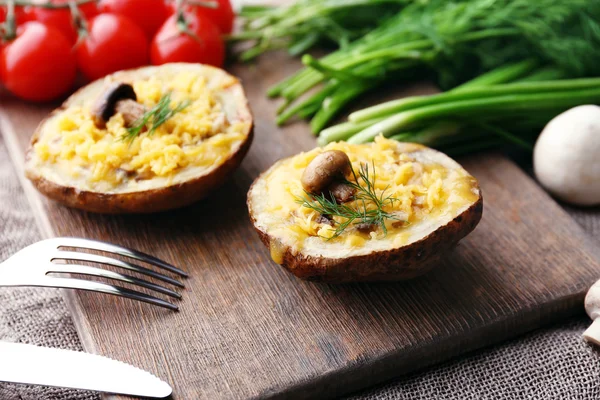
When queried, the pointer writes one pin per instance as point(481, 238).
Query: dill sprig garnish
point(154, 117)
point(368, 208)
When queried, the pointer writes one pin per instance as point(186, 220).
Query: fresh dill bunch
point(155, 117)
point(363, 212)
point(565, 34)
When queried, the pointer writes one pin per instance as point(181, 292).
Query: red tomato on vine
point(113, 42)
point(38, 64)
point(61, 18)
point(147, 14)
point(222, 16)
point(188, 38)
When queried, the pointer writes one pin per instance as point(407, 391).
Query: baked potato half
point(408, 206)
point(96, 153)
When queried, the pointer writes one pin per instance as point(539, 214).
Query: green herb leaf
point(155, 117)
point(363, 212)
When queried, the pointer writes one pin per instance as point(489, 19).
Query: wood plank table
point(247, 329)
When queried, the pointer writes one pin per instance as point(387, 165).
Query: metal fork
point(31, 266)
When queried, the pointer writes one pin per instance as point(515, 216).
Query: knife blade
point(34, 365)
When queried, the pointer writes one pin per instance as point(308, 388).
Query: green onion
point(498, 105)
point(472, 93)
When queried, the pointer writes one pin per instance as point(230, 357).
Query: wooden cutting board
point(247, 329)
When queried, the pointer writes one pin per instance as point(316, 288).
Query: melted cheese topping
point(427, 195)
point(198, 138)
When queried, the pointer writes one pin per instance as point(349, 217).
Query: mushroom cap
point(592, 301)
point(104, 107)
point(324, 169)
point(566, 157)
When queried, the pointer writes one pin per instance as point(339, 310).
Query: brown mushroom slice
point(131, 110)
point(118, 97)
point(366, 227)
point(325, 219)
point(341, 192)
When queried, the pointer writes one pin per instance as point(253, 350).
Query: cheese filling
point(200, 137)
point(423, 190)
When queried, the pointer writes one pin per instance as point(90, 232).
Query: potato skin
point(397, 264)
point(147, 201)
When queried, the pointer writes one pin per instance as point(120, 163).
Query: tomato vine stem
point(203, 3)
point(182, 24)
point(8, 30)
point(79, 21)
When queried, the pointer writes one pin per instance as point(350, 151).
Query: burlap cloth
point(552, 363)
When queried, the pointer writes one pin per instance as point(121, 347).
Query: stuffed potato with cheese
point(95, 153)
point(372, 212)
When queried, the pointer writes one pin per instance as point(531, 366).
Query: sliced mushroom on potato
point(433, 204)
point(84, 155)
point(117, 97)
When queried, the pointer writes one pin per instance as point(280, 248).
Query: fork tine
point(73, 255)
point(124, 251)
point(72, 283)
point(93, 271)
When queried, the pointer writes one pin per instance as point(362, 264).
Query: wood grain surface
point(247, 329)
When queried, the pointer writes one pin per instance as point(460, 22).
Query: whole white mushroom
point(566, 158)
point(592, 307)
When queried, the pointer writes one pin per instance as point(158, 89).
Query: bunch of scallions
point(510, 66)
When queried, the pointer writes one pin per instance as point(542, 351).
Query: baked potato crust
point(396, 264)
point(146, 201)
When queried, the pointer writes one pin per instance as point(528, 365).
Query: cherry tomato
point(114, 42)
point(222, 16)
point(201, 44)
point(147, 14)
point(61, 18)
point(39, 64)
